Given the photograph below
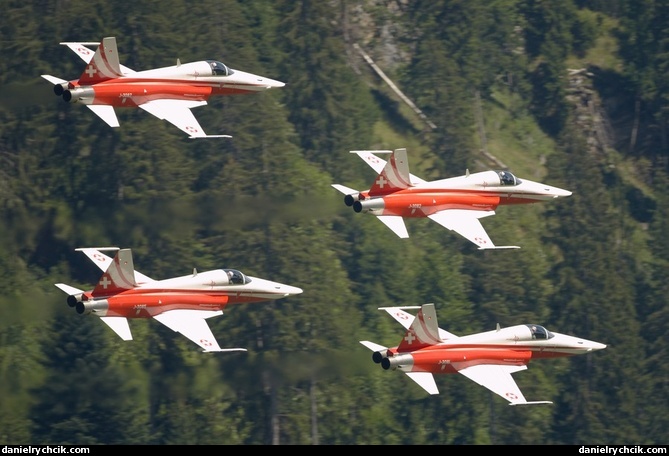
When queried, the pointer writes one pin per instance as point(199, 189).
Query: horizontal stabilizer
point(86, 54)
point(344, 189)
point(104, 261)
point(399, 314)
point(377, 164)
point(52, 79)
point(70, 291)
point(372, 346)
point(406, 319)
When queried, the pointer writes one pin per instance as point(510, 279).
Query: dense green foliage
point(593, 265)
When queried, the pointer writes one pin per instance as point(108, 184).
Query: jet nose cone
point(291, 291)
point(597, 346)
point(590, 346)
point(561, 193)
point(557, 192)
point(287, 290)
point(272, 84)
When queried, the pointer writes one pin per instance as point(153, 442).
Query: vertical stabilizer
point(423, 332)
point(120, 275)
point(104, 65)
point(394, 176)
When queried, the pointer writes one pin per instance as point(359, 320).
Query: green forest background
point(571, 93)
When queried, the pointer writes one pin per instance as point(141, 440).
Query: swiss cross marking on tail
point(410, 337)
point(90, 71)
point(381, 181)
point(105, 282)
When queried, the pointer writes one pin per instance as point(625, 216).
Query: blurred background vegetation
point(569, 92)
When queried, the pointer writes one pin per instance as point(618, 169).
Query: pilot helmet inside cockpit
point(218, 68)
point(507, 178)
point(539, 332)
point(236, 277)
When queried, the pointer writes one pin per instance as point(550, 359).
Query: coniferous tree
point(595, 251)
point(86, 399)
point(328, 105)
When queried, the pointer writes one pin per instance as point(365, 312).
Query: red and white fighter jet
point(487, 358)
point(456, 203)
point(168, 93)
point(181, 303)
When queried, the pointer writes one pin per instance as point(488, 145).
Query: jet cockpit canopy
point(219, 68)
point(539, 332)
point(507, 178)
point(236, 277)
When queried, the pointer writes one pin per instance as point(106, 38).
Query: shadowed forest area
point(572, 93)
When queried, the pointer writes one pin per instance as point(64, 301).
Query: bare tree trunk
point(275, 419)
point(635, 126)
point(314, 410)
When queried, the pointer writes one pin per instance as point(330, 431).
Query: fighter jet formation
point(184, 303)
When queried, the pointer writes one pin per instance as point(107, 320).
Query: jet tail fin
point(103, 65)
point(119, 276)
point(394, 175)
point(423, 332)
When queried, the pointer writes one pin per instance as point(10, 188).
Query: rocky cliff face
point(590, 116)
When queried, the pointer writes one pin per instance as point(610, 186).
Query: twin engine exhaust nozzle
point(363, 205)
point(72, 94)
